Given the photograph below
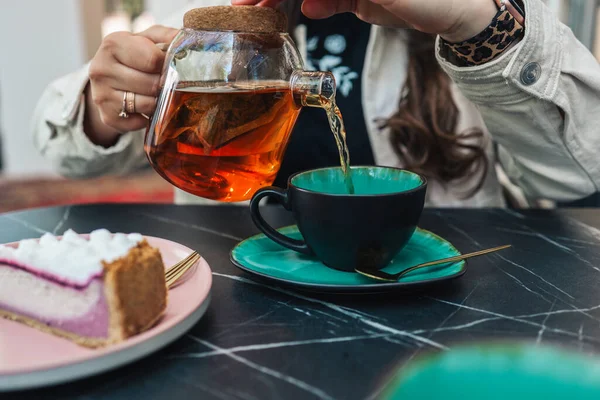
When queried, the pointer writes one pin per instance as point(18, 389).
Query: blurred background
point(43, 40)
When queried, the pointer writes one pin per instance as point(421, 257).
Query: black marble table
point(262, 342)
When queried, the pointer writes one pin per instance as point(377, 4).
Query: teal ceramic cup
point(345, 231)
point(498, 371)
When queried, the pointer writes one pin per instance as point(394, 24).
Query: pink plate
point(30, 358)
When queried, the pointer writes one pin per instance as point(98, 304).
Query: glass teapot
point(232, 87)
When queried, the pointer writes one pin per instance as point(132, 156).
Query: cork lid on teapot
point(251, 19)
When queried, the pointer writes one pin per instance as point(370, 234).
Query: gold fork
point(177, 270)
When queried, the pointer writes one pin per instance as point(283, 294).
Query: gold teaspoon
point(384, 276)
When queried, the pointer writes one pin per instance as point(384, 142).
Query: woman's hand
point(124, 63)
point(454, 20)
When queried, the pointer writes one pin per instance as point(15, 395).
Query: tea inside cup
point(367, 181)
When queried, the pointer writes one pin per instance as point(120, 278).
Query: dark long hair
point(424, 128)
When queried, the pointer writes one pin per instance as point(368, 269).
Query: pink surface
point(24, 349)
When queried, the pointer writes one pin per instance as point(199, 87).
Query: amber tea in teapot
point(224, 143)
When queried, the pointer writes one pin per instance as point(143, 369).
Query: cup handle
point(282, 196)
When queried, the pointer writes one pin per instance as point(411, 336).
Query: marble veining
point(62, 221)
point(514, 213)
point(360, 317)
point(259, 341)
point(556, 238)
point(266, 346)
point(26, 224)
point(520, 319)
point(543, 328)
point(541, 278)
point(191, 226)
point(268, 371)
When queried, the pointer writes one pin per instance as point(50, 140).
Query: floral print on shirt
point(334, 45)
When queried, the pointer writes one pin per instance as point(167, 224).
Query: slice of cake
point(94, 290)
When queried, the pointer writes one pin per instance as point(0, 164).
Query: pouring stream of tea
point(336, 122)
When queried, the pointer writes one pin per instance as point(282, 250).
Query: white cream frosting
point(71, 258)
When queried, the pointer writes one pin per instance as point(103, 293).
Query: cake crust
point(80, 340)
point(136, 291)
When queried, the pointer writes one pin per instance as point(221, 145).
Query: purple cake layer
point(82, 311)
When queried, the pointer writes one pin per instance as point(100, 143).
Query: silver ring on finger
point(130, 97)
point(123, 113)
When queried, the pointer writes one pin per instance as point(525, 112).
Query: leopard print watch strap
point(503, 31)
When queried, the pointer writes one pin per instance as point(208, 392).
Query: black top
point(337, 44)
point(282, 344)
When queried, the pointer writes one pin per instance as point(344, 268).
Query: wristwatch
point(506, 29)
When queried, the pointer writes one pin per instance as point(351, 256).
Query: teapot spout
point(312, 88)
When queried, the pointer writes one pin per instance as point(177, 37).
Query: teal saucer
point(498, 371)
point(262, 257)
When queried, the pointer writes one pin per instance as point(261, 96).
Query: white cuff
point(60, 137)
point(530, 68)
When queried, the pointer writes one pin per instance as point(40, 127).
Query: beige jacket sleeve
point(522, 97)
point(58, 134)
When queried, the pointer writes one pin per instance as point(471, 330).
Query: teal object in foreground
point(263, 257)
point(499, 372)
point(367, 181)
